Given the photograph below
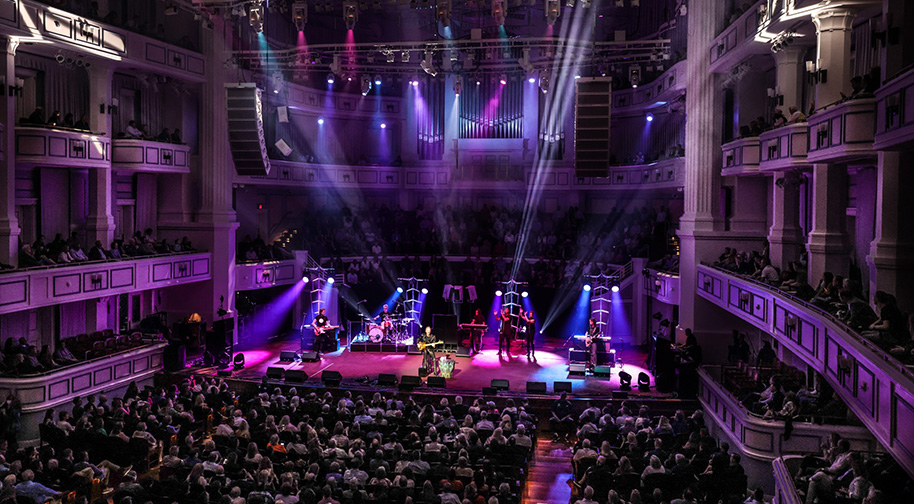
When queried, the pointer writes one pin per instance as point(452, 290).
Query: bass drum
point(376, 334)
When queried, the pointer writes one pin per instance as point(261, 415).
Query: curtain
point(149, 100)
point(64, 89)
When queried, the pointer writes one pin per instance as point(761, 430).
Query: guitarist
point(322, 330)
point(594, 339)
point(429, 359)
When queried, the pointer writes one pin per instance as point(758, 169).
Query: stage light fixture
point(444, 12)
point(498, 293)
point(238, 361)
point(544, 81)
point(553, 11)
point(400, 290)
point(524, 294)
point(615, 288)
point(503, 79)
point(531, 80)
point(305, 279)
point(424, 290)
point(255, 15)
point(569, 3)
point(404, 56)
point(300, 15)
point(366, 86)
point(377, 80)
point(498, 12)
point(644, 382)
point(649, 117)
point(415, 82)
point(330, 280)
point(458, 85)
point(320, 120)
point(428, 65)
point(383, 125)
point(587, 287)
point(350, 14)
point(625, 381)
point(585, 4)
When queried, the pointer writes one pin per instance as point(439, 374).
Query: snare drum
point(446, 366)
point(376, 333)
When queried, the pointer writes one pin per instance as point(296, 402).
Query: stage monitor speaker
point(499, 384)
point(536, 387)
point(387, 379)
point(620, 395)
point(296, 375)
point(408, 382)
point(592, 115)
point(244, 114)
point(274, 373)
point(310, 357)
point(602, 370)
point(489, 391)
point(224, 373)
point(282, 114)
point(283, 147)
point(577, 355)
point(445, 327)
point(561, 386)
point(464, 352)
point(329, 378)
point(436, 382)
point(287, 356)
point(175, 357)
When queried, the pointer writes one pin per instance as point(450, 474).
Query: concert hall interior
point(457, 251)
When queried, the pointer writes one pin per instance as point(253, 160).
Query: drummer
point(385, 318)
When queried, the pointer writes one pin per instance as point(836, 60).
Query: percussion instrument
point(446, 366)
point(376, 333)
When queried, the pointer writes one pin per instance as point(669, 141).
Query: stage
point(470, 374)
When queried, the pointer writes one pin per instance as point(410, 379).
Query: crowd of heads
point(56, 120)
point(138, 131)
point(63, 251)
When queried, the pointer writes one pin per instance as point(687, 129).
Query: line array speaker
point(592, 114)
point(245, 126)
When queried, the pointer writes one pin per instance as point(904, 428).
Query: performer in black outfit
point(594, 339)
point(322, 331)
point(476, 334)
point(429, 359)
point(530, 334)
point(504, 330)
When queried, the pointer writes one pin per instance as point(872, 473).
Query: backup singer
point(594, 340)
point(429, 359)
point(504, 330)
point(529, 332)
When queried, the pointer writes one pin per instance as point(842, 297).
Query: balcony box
point(895, 113)
point(61, 148)
point(149, 156)
point(741, 157)
point(784, 148)
point(843, 132)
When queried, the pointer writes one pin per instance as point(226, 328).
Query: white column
point(750, 206)
point(789, 75)
point(891, 257)
point(9, 224)
point(701, 220)
point(833, 28)
point(100, 221)
point(827, 244)
point(785, 238)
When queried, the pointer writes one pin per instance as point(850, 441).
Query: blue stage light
point(615, 288)
point(650, 117)
point(424, 290)
point(524, 294)
point(498, 293)
point(320, 120)
point(305, 279)
point(587, 287)
point(400, 290)
point(330, 280)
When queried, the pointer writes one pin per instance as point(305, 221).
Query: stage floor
point(470, 373)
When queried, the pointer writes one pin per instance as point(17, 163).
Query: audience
point(70, 251)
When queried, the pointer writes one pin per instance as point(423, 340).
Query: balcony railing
point(61, 148)
point(42, 392)
point(736, 40)
point(741, 157)
point(45, 286)
point(149, 156)
point(258, 275)
point(785, 491)
point(895, 113)
point(843, 132)
point(662, 286)
point(763, 439)
point(877, 388)
point(784, 148)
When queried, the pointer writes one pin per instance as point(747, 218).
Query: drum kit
point(394, 329)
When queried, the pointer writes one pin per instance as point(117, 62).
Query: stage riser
point(407, 349)
point(581, 356)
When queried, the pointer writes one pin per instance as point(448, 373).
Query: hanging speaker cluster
point(245, 125)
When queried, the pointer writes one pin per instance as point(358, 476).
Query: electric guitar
point(321, 330)
point(422, 346)
point(590, 339)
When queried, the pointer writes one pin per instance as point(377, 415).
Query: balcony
point(895, 113)
point(877, 388)
point(42, 392)
point(741, 157)
point(736, 42)
point(785, 490)
point(61, 148)
point(46, 286)
point(665, 174)
point(661, 90)
point(843, 133)
point(784, 148)
point(149, 156)
point(762, 439)
point(662, 286)
point(259, 275)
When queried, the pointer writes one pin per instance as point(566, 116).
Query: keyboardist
point(476, 335)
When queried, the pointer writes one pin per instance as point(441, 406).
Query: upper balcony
point(662, 286)
point(895, 113)
point(660, 91)
point(45, 286)
point(149, 156)
point(843, 133)
point(763, 439)
point(262, 274)
point(741, 157)
point(784, 148)
point(876, 387)
point(736, 41)
point(61, 148)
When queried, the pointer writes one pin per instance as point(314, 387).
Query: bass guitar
point(318, 331)
point(422, 346)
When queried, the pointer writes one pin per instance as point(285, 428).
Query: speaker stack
point(592, 114)
point(245, 126)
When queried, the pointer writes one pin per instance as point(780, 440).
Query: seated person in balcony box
point(67, 120)
point(778, 119)
point(132, 130)
point(64, 257)
point(176, 136)
point(77, 253)
point(857, 314)
point(115, 252)
point(37, 116)
point(769, 274)
point(795, 115)
point(164, 136)
point(890, 326)
point(46, 359)
point(55, 119)
point(82, 123)
point(63, 355)
point(98, 253)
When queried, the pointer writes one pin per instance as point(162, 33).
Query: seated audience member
point(32, 489)
point(46, 359)
point(82, 123)
point(115, 251)
point(857, 313)
point(63, 355)
point(766, 355)
point(889, 328)
point(132, 131)
point(64, 257)
point(55, 119)
point(795, 115)
point(77, 254)
point(98, 253)
point(779, 119)
point(176, 136)
point(768, 273)
point(164, 136)
point(37, 116)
